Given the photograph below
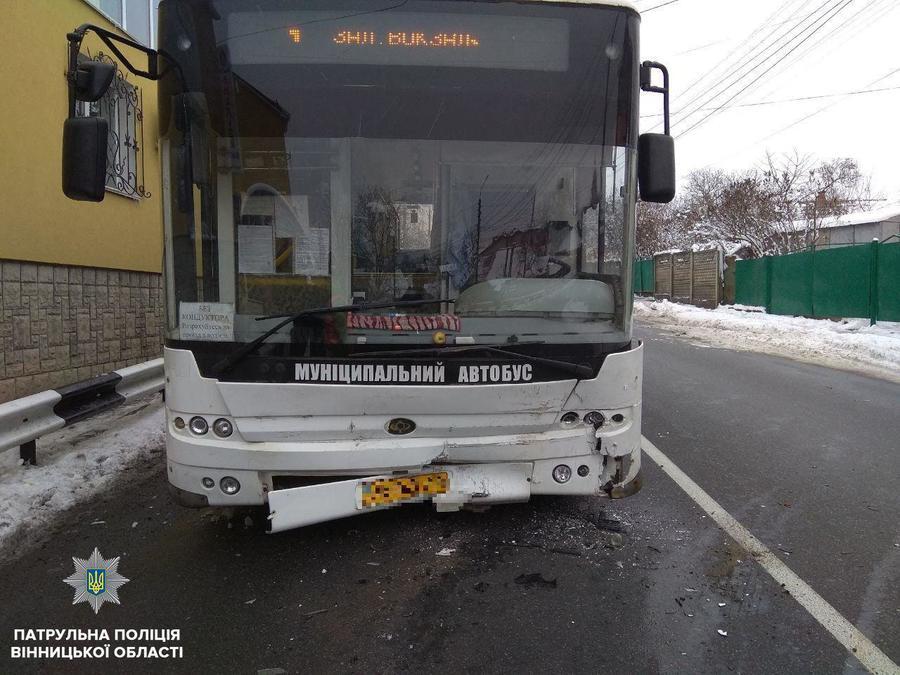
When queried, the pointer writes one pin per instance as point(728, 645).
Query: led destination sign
point(399, 39)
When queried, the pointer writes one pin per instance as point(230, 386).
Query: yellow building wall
point(37, 222)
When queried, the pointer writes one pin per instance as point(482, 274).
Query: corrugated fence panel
point(662, 271)
point(643, 276)
point(706, 284)
point(648, 276)
point(750, 282)
point(681, 277)
point(842, 282)
point(792, 284)
point(889, 282)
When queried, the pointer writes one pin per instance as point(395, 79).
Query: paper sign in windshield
point(213, 321)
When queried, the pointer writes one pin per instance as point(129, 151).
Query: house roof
point(879, 215)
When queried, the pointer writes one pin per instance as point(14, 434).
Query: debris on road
point(723, 633)
point(446, 552)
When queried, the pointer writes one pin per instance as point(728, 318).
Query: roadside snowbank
point(76, 463)
point(849, 344)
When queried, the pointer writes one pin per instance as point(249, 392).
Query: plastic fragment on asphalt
point(446, 551)
point(250, 602)
point(723, 633)
point(721, 604)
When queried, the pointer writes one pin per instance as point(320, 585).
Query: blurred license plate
point(386, 491)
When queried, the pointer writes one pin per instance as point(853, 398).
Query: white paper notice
point(256, 249)
point(311, 252)
point(206, 321)
point(292, 216)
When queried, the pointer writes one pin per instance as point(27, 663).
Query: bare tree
point(807, 193)
point(778, 207)
point(662, 227)
point(731, 207)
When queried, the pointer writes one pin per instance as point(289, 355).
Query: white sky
point(860, 45)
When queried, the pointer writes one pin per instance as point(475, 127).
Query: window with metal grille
point(122, 108)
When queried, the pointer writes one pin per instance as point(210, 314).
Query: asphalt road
point(805, 457)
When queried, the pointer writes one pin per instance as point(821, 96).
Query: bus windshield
point(320, 154)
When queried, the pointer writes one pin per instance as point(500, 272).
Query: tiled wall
point(61, 324)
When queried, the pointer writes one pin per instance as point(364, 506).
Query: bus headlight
point(569, 419)
point(230, 485)
point(199, 425)
point(222, 428)
point(562, 473)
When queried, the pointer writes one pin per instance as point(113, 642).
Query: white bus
point(398, 248)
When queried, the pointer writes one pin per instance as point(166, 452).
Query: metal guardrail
point(25, 420)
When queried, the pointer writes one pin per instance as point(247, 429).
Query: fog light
point(230, 485)
point(618, 417)
point(584, 470)
point(562, 473)
point(199, 425)
point(570, 418)
point(208, 483)
point(178, 422)
point(595, 419)
point(222, 428)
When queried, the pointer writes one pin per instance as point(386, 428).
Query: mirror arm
point(647, 68)
point(110, 39)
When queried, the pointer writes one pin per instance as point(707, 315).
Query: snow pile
point(77, 462)
point(850, 344)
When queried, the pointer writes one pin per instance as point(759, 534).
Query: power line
point(824, 108)
point(835, 12)
point(798, 121)
point(769, 49)
point(800, 98)
point(875, 13)
point(724, 64)
point(664, 4)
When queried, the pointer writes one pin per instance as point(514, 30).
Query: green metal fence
point(644, 281)
point(850, 281)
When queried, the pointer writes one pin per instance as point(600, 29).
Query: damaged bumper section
point(487, 445)
point(457, 487)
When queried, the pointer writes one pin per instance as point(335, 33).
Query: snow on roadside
point(76, 463)
point(850, 344)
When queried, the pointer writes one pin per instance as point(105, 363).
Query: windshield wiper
point(580, 371)
point(228, 362)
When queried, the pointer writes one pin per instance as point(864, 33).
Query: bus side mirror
point(84, 158)
point(92, 79)
point(656, 168)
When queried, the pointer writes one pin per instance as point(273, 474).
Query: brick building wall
point(60, 324)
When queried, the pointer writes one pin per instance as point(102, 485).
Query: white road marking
point(871, 657)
